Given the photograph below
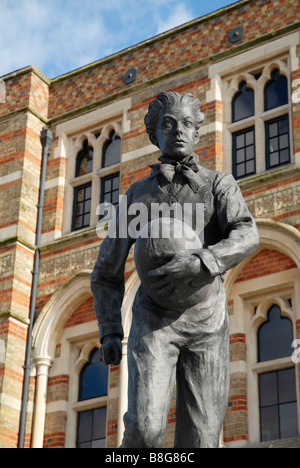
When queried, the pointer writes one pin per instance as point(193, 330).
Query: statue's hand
point(180, 268)
point(111, 350)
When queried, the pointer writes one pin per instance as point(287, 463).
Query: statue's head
point(172, 123)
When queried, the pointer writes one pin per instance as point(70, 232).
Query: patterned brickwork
point(203, 40)
point(264, 263)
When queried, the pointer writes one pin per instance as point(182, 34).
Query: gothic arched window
point(276, 90)
point(277, 388)
point(111, 152)
point(83, 192)
point(110, 184)
point(93, 383)
point(243, 103)
point(93, 379)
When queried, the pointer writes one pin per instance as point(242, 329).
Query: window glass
point(91, 432)
point(243, 145)
point(82, 206)
point(243, 103)
point(274, 336)
point(278, 405)
point(110, 190)
point(277, 142)
point(276, 91)
point(93, 378)
point(111, 150)
point(84, 160)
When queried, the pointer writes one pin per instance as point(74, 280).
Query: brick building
point(242, 62)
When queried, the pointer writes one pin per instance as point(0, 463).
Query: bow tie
point(188, 168)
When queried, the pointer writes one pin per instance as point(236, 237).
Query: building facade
point(242, 63)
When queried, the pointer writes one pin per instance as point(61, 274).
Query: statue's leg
point(202, 391)
point(151, 373)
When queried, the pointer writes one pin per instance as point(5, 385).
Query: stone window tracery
point(259, 105)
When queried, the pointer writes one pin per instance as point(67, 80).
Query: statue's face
point(176, 134)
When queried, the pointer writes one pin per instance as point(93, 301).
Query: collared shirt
point(230, 235)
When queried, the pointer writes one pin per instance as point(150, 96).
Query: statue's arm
point(107, 282)
point(238, 228)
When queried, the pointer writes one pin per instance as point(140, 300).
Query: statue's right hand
point(111, 350)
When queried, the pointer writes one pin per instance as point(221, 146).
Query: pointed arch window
point(93, 383)
point(111, 156)
point(276, 90)
point(83, 192)
point(93, 379)
point(277, 130)
point(277, 388)
point(84, 160)
point(111, 152)
point(260, 114)
point(243, 103)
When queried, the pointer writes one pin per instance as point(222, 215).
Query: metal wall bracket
point(236, 34)
point(130, 75)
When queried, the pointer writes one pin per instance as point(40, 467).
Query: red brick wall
point(264, 263)
point(205, 38)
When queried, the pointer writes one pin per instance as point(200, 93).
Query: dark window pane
point(276, 91)
point(278, 404)
point(82, 207)
point(84, 160)
point(240, 170)
point(273, 145)
point(88, 192)
point(91, 430)
point(288, 420)
point(283, 141)
point(250, 153)
point(275, 336)
point(240, 141)
point(269, 424)
point(285, 155)
point(240, 156)
point(115, 183)
point(250, 167)
point(100, 443)
point(249, 138)
point(99, 426)
point(274, 159)
point(243, 103)
point(93, 378)
point(268, 389)
point(287, 386)
point(111, 153)
point(283, 126)
point(277, 142)
point(110, 189)
point(84, 445)
point(115, 197)
point(243, 153)
point(273, 130)
point(85, 426)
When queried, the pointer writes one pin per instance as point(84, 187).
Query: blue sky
point(58, 36)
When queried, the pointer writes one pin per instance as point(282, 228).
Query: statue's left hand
point(177, 269)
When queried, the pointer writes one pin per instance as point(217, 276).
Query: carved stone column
point(43, 365)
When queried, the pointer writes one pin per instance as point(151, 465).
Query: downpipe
point(46, 138)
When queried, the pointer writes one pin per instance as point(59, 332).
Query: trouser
point(161, 351)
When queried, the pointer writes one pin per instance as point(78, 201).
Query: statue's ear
point(197, 136)
point(153, 138)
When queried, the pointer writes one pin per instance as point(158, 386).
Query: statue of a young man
point(187, 344)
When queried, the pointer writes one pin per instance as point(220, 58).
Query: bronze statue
point(179, 330)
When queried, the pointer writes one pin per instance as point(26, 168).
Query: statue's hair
point(171, 97)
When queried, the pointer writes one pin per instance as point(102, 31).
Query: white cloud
point(181, 14)
point(59, 35)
